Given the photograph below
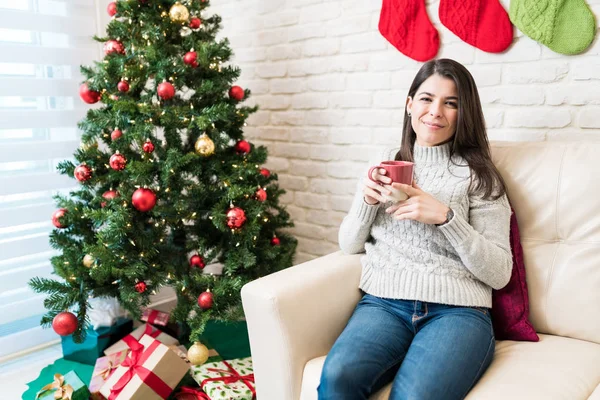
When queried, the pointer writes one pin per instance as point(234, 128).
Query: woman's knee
point(338, 378)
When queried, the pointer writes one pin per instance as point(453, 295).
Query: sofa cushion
point(553, 368)
point(510, 305)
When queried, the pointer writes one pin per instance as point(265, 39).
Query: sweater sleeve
point(356, 226)
point(483, 242)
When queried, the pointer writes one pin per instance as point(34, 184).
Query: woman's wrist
point(369, 203)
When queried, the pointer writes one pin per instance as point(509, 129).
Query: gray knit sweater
point(457, 263)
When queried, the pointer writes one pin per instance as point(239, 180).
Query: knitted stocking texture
point(405, 24)
point(480, 23)
point(564, 26)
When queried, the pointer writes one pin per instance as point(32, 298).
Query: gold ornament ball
point(179, 13)
point(197, 354)
point(88, 261)
point(205, 146)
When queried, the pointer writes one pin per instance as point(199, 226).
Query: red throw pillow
point(510, 305)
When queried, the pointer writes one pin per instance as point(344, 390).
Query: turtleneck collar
point(435, 154)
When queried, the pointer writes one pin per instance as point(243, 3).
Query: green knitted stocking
point(565, 26)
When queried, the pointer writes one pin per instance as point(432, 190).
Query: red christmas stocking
point(405, 24)
point(481, 23)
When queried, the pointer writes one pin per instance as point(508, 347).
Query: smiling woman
point(41, 48)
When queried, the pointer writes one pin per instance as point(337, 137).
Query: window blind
point(42, 44)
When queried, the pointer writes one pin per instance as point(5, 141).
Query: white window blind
point(42, 44)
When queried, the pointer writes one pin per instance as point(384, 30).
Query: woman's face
point(434, 111)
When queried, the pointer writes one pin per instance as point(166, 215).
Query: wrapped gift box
point(103, 369)
point(95, 342)
point(226, 380)
point(155, 317)
point(146, 329)
point(68, 386)
point(150, 372)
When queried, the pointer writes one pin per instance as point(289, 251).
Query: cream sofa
point(295, 315)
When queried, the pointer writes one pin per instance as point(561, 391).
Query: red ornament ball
point(195, 22)
point(65, 323)
point(112, 9)
point(140, 287)
point(116, 134)
point(113, 46)
point(236, 93)
point(242, 147)
point(88, 95)
point(275, 241)
point(166, 91)
point(261, 194)
point(265, 172)
point(56, 217)
point(123, 86)
point(143, 199)
point(191, 58)
point(197, 261)
point(83, 173)
point(205, 300)
point(148, 146)
point(109, 195)
point(236, 217)
point(117, 161)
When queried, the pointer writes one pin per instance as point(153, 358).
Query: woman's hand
point(420, 206)
point(374, 191)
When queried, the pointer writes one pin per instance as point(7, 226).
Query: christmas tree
point(167, 184)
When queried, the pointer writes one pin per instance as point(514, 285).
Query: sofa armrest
point(295, 315)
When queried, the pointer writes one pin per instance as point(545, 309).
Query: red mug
point(397, 171)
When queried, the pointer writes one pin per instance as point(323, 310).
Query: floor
point(15, 374)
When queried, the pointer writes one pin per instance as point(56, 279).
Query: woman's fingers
point(379, 175)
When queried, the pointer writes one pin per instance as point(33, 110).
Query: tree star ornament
point(179, 13)
point(204, 146)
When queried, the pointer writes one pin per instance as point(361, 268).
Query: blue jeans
point(430, 351)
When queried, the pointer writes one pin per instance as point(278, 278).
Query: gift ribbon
point(232, 377)
point(153, 316)
point(105, 373)
point(200, 395)
point(131, 341)
point(134, 364)
point(63, 391)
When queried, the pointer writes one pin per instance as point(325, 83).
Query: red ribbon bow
point(232, 378)
point(131, 341)
point(134, 362)
point(200, 395)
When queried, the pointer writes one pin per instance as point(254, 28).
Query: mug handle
point(370, 173)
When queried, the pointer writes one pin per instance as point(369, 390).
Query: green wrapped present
point(96, 341)
point(67, 387)
point(226, 380)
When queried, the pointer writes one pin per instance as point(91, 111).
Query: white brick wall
point(332, 90)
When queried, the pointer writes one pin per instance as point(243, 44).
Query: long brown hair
point(470, 139)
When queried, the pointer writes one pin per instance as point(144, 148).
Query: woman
point(432, 260)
